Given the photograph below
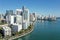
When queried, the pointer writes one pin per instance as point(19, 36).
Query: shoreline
point(18, 36)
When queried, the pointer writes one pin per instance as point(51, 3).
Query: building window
point(14, 19)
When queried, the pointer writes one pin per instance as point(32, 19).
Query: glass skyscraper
point(25, 13)
point(9, 12)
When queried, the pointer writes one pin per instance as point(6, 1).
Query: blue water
point(44, 30)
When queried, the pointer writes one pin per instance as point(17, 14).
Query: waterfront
point(44, 30)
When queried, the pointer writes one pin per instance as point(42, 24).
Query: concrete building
point(19, 11)
point(46, 17)
point(1, 17)
point(25, 24)
point(9, 12)
point(52, 18)
point(10, 19)
point(42, 17)
point(32, 18)
point(26, 14)
point(7, 31)
point(16, 28)
point(14, 19)
point(19, 19)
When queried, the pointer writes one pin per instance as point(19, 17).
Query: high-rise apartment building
point(9, 12)
point(19, 11)
point(25, 14)
point(25, 17)
point(19, 19)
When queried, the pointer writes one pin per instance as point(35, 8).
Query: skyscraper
point(12, 19)
point(19, 11)
point(25, 13)
point(9, 12)
point(25, 16)
point(19, 19)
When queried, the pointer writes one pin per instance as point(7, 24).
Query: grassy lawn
point(1, 39)
point(2, 23)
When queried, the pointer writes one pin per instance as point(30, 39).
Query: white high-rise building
point(19, 19)
point(32, 18)
point(25, 24)
point(8, 19)
point(9, 12)
point(16, 27)
point(12, 20)
point(26, 15)
point(19, 11)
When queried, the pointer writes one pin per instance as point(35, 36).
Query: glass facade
point(14, 19)
point(9, 12)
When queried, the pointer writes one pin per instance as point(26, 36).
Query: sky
point(43, 7)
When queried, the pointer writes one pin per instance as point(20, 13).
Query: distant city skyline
point(43, 7)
